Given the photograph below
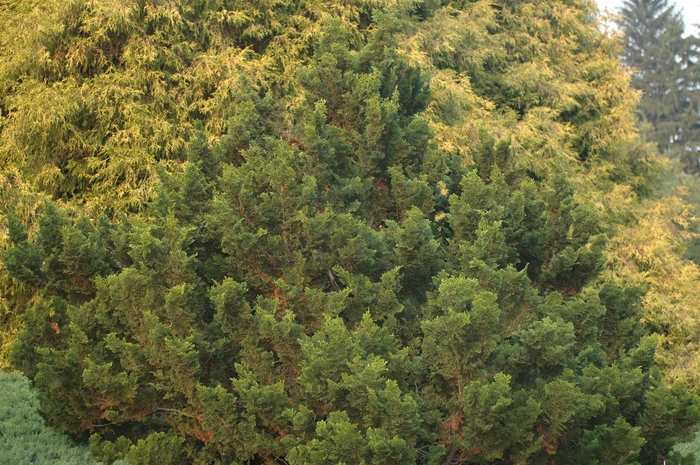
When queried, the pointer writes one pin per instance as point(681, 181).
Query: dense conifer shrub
point(321, 253)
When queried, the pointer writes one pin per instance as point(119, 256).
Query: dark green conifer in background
point(666, 68)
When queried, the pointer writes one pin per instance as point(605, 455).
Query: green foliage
point(25, 438)
point(155, 448)
point(312, 252)
point(688, 450)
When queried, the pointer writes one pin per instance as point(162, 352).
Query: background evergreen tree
point(667, 71)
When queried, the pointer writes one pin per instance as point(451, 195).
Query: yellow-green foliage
point(649, 251)
point(648, 230)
